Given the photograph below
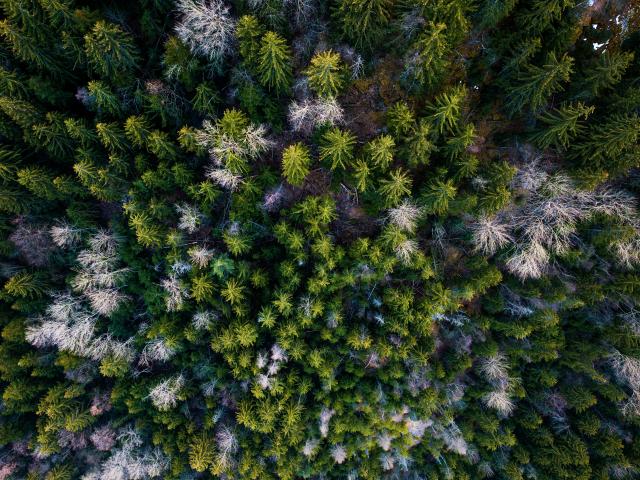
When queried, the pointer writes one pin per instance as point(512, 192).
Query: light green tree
point(337, 148)
point(274, 65)
point(326, 73)
point(295, 163)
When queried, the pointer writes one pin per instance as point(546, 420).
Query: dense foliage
point(289, 239)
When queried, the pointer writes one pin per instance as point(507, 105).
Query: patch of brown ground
point(368, 98)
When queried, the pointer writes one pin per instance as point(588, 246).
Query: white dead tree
point(545, 222)
point(305, 115)
point(70, 321)
point(203, 320)
point(131, 460)
point(65, 235)
point(495, 370)
point(165, 395)
point(157, 350)
point(207, 28)
point(247, 144)
point(176, 291)
point(627, 370)
point(200, 256)
point(190, 217)
point(405, 216)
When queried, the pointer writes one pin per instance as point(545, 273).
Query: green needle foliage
point(110, 51)
point(537, 83)
point(274, 67)
point(326, 74)
point(295, 163)
point(364, 240)
point(363, 21)
point(337, 148)
point(561, 126)
point(395, 187)
point(381, 151)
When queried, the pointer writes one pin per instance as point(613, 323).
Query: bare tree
point(405, 251)
point(225, 178)
point(545, 221)
point(325, 418)
point(131, 461)
point(304, 116)
point(310, 447)
point(65, 235)
point(489, 235)
point(103, 438)
point(200, 256)
point(405, 216)
point(33, 242)
point(500, 401)
point(338, 453)
point(177, 293)
point(203, 320)
point(384, 441)
point(495, 369)
point(207, 28)
point(156, 350)
point(164, 396)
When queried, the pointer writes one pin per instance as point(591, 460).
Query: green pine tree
point(110, 51)
point(295, 163)
point(274, 66)
point(337, 147)
point(326, 74)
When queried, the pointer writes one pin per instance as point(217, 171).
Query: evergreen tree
point(295, 163)
point(561, 126)
point(610, 141)
point(201, 453)
point(429, 62)
point(337, 147)
point(363, 21)
point(110, 51)
point(39, 181)
point(326, 74)
point(608, 71)
point(381, 151)
point(395, 187)
point(249, 31)
point(274, 65)
point(447, 108)
point(535, 84)
point(137, 130)
point(184, 294)
point(437, 196)
point(104, 98)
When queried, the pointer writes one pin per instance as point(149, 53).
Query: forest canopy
point(309, 239)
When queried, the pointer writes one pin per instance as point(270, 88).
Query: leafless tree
point(164, 396)
point(489, 235)
point(405, 216)
point(338, 453)
point(156, 350)
point(103, 438)
point(499, 400)
point(325, 418)
point(177, 293)
point(190, 217)
point(207, 28)
point(545, 221)
point(225, 178)
point(32, 242)
point(305, 115)
point(310, 447)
